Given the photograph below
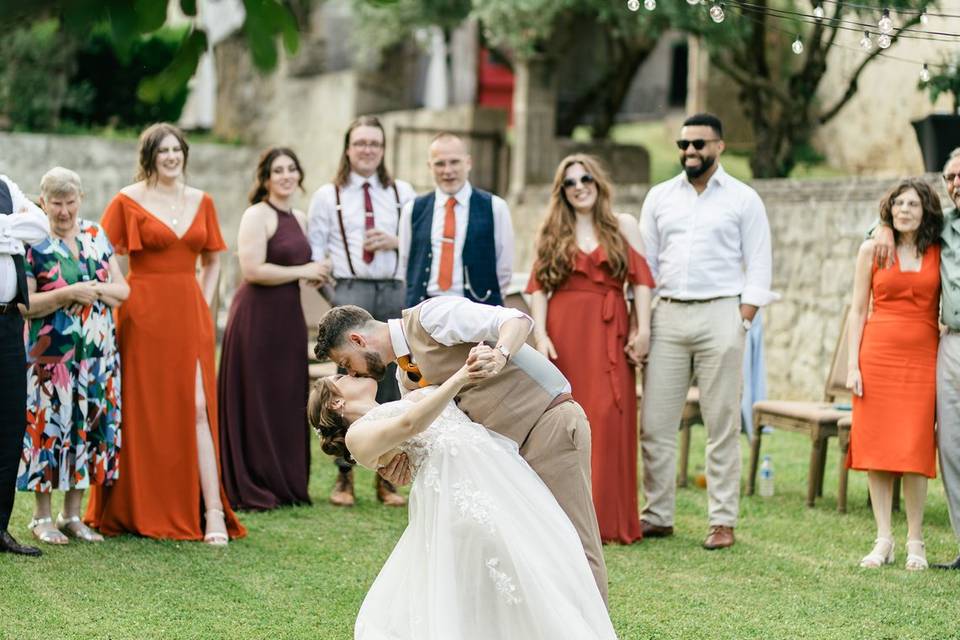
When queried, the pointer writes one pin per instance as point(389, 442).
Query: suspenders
point(343, 232)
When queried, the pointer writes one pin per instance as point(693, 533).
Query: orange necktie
point(445, 278)
point(404, 363)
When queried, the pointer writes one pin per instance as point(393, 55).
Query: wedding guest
point(264, 438)
point(20, 222)
point(73, 367)
point(456, 240)
point(707, 241)
point(169, 484)
point(894, 408)
point(354, 221)
point(585, 256)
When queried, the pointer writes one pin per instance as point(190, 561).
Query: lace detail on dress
point(474, 503)
point(506, 589)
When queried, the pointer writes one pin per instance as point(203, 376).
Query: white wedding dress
point(487, 554)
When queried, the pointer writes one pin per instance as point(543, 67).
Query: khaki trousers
point(704, 339)
point(558, 449)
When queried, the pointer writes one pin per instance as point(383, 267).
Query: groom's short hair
point(334, 326)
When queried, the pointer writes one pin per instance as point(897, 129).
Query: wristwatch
point(746, 323)
point(506, 353)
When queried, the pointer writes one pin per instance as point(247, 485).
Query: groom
point(521, 396)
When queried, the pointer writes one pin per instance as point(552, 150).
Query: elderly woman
point(586, 256)
point(73, 367)
point(893, 364)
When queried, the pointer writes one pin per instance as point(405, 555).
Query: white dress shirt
point(709, 245)
point(323, 228)
point(28, 227)
point(502, 239)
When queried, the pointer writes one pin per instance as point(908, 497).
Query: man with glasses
point(354, 221)
point(707, 241)
point(456, 240)
point(948, 356)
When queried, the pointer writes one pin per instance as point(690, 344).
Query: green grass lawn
point(302, 572)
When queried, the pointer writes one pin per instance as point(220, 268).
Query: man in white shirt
point(456, 240)
point(20, 222)
point(707, 241)
point(354, 221)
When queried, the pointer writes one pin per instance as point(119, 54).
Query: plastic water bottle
point(766, 478)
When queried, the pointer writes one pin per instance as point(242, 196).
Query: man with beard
point(707, 242)
point(948, 356)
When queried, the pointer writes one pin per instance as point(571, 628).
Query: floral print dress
point(73, 373)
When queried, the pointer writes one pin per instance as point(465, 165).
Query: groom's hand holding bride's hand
point(485, 362)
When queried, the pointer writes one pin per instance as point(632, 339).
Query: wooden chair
point(817, 419)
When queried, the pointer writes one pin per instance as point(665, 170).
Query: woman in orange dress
point(893, 364)
point(585, 255)
point(169, 482)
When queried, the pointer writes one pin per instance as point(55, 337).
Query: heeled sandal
point(216, 538)
point(73, 527)
point(916, 556)
point(49, 535)
point(881, 554)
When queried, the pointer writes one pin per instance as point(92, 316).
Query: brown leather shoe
point(387, 493)
point(342, 494)
point(651, 530)
point(720, 537)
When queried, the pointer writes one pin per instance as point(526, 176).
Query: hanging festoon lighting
point(865, 42)
point(633, 5)
point(925, 73)
point(649, 5)
point(797, 46)
point(716, 12)
point(818, 11)
point(884, 41)
point(885, 24)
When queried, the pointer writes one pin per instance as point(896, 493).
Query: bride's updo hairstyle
point(329, 425)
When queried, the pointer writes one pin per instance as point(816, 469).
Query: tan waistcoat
point(509, 403)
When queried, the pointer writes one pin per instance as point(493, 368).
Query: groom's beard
point(376, 369)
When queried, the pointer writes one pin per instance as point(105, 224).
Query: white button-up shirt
point(709, 245)
point(323, 229)
point(29, 227)
point(502, 239)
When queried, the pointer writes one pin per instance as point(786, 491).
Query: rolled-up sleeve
point(757, 254)
point(452, 320)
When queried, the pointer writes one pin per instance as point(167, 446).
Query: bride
point(487, 554)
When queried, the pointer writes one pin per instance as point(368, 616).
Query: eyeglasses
point(698, 144)
point(950, 177)
point(585, 179)
point(367, 144)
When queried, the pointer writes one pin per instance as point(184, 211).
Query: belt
point(677, 301)
point(9, 309)
point(560, 399)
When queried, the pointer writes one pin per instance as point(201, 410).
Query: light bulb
point(716, 12)
point(693, 2)
point(925, 74)
point(649, 5)
point(924, 18)
point(818, 12)
point(885, 24)
point(865, 42)
point(883, 41)
point(633, 5)
point(797, 46)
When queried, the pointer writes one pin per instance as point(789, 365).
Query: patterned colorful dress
point(73, 374)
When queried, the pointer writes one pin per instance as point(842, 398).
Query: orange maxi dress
point(164, 329)
point(588, 323)
point(893, 422)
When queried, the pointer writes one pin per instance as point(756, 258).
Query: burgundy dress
point(263, 385)
point(588, 323)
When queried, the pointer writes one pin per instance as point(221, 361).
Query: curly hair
point(557, 239)
point(149, 148)
point(335, 324)
point(262, 175)
point(931, 224)
point(330, 426)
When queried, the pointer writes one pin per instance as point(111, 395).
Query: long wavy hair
point(343, 169)
point(557, 240)
point(931, 224)
point(259, 191)
point(149, 147)
point(330, 425)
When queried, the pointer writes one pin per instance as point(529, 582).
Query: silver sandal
point(47, 536)
point(73, 527)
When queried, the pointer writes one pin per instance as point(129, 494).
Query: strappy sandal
point(916, 556)
point(216, 538)
point(73, 527)
point(47, 535)
point(881, 554)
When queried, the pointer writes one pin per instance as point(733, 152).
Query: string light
point(716, 12)
point(865, 42)
point(633, 5)
point(925, 73)
point(884, 41)
point(797, 46)
point(649, 5)
point(818, 12)
point(885, 24)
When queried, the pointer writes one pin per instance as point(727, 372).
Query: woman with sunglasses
point(586, 254)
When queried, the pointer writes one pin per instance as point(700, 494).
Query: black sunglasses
point(698, 144)
point(585, 179)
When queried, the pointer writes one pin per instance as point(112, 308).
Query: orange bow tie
point(404, 363)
